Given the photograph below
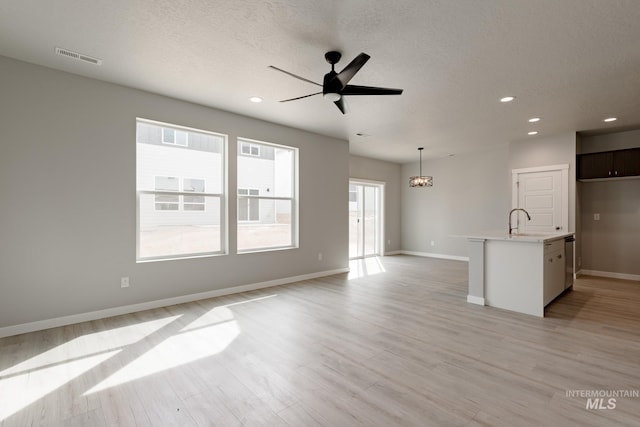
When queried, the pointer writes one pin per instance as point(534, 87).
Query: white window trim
point(294, 198)
point(222, 196)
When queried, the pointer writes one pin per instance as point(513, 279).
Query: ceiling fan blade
point(293, 75)
point(369, 90)
point(341, 105)
point(300, 97)
point(350, 70)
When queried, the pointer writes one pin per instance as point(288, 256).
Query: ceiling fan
point(335, 85)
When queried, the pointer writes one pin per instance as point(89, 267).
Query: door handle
point(558, 228)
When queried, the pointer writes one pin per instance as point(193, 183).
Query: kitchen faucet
point(517, 209)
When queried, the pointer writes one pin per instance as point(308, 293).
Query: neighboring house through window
point(248, 207)
point(249, 149)
point(175, 137)
point(169, 199)
point(167, 202)
point(267, 196)
point(195, 202)
point(180, 181)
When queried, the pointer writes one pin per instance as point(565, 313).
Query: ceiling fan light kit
point(336, 85)
point(331, 96)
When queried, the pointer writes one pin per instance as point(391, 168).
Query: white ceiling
point(570, 62)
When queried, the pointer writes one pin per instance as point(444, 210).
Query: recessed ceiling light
point(533, 132)
point(610, 119)
point(255, 99)
point(534, 119)
point(507, 99)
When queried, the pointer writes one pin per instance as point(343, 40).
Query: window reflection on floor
point(363, 267)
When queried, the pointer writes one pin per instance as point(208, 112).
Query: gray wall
point(67, 185)
point(378, 170)
point(611, 141)
point(546, 151)
point(470, 193)
point(611, 244)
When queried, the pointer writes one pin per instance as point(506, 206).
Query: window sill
point(180, 257)
point(259, 250)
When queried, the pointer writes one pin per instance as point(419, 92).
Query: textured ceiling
point(570, 62)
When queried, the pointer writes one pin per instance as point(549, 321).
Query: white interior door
point(365, 219)
point(544, 194)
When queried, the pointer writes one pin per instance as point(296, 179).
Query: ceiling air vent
point(78, 56)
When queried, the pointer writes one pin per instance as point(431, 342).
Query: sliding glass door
point(365, 219)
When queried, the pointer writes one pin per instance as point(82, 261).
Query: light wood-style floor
point(397, 346)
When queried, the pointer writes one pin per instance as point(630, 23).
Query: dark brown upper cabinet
point(609, 164)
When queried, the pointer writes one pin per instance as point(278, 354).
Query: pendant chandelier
point(421, 181)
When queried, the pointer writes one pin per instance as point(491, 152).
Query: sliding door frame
point(379, 186)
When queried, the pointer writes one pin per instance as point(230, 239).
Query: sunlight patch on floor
point(30, 380)
point(193, 342)
point(251, 300)
point(363, 267)
point(90, 344)
point(21, 390)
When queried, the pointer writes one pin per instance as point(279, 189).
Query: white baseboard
point(475, 300)
point(610, 274)
point(126, 309)
point(434, 255)
point(393, 253)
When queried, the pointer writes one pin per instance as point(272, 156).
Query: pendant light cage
point(421, 180)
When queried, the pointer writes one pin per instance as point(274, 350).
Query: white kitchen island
point(521, 272)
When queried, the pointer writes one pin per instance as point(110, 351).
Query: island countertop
point(522, 272)
point(518, 237)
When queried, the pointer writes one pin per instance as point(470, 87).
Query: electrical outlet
point(433, 243)
point(579, 261)
point(319, 256)
point(389, 242)
point(596, 217)
point(124, 282)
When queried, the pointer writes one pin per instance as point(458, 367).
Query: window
point(248, 207)
point(267, 196)
point(167, 202)
point(168, 196)
point(193, 203)
point(353, 193)
point(175, 137)
point(249, 149)
point(180, 182)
